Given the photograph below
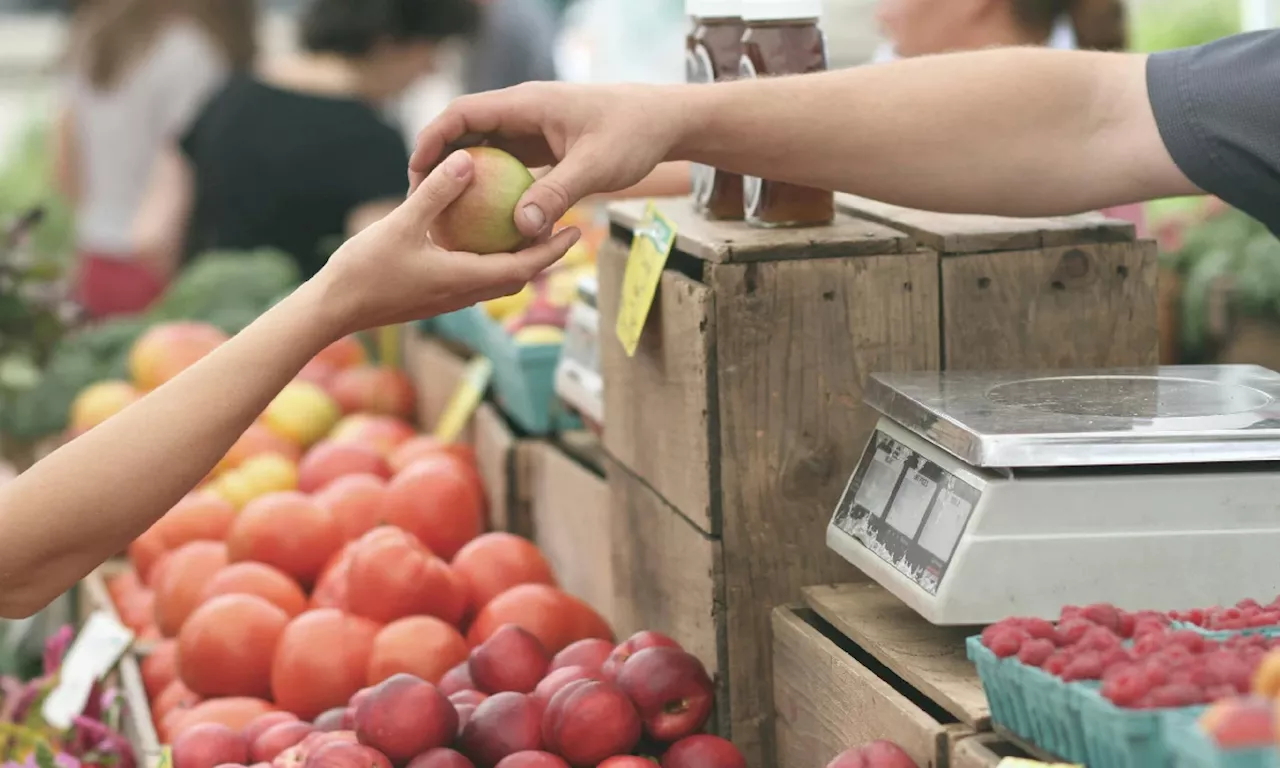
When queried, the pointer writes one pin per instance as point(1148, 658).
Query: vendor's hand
point(596, 138)
point(391, 272)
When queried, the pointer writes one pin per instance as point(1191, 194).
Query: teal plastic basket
point(524, 379)
point(1190, 747)
point(466, 327)
point(1270, 632)
point(1116, 737)
point(1029, 702)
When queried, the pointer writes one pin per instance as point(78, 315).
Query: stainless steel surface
point(1159, 415)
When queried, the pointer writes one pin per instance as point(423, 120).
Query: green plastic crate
point(1190, 747)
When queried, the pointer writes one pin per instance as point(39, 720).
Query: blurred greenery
point(26, 182)
point(1161, 25)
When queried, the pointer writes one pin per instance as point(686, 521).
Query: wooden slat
point(494, 445)
point(984, 750)
point(950, 233)
point(828, 702)
point(931, 658)
point(737, 242)
point(659, 403)
point(1075, 307)
point(571, 525)
point(137, 725)
point(435, 370)
point(796, 341)
point(667, 573)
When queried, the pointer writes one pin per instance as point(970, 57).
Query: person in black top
point(297, 156)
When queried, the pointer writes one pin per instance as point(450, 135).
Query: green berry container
point(1270, 632)
point(1029, 702)
point(1116, 737)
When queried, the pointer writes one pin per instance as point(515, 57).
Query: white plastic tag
point(100, 644)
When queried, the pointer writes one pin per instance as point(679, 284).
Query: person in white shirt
point(139, 71)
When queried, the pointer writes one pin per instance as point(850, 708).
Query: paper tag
point(465, 399)
point(389, 345)
point(1020, 762)
point(166, 757)
point(650, 248)
point(100, 644)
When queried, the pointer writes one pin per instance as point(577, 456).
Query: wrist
point(694, 108)
point(321, 308)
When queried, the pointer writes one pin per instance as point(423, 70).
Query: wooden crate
point(739, 418)
point(570, 522)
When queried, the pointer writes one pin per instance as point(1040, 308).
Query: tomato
point(181, 579)
point(322, 659)
point(391, 575)
point(438, 499)
point(226, 646)
point(287, 530)
point(554, 617)
point(250, 578)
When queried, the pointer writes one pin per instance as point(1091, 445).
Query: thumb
point(551, 196)
point(440, 188)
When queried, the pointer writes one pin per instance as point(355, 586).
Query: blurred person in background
point(515, 44)
point(139, 70)
point(297, 155)
point(923, 27)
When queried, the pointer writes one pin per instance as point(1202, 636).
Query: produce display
point(94, 738)
point(328, 595)
point(219, 293)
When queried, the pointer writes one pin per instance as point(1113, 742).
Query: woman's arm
point(667, 180)
point(86, 501)
point(66, 155)
point(161, 222)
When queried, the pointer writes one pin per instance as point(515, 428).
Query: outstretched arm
point(1012, 131)
point(85, 502)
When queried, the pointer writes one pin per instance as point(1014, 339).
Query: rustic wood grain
point(660, 403)
point(738, 242)
point(136, 724)
point(984, 750)
point(524, 465)
point(571, 525)
point(795, 343)
point(1072, 307)
point(961, 233)
point(828, 702)
point(931, 658)
point(667, 573)
point(494, 445)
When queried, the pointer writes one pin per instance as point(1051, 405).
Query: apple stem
point(676, 707)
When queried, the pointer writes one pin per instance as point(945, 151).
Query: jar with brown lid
point(783, 37)
point(713, 53)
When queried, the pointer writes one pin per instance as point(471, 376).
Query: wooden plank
point(494, 445)
point(1091, 306)
point(137, 726)
point(1027, 747)
point(667, 574)
point(827, 702)
point(931, 658)
point(950, 233)
point(984, 750)
point(571, 525)
point(524, 463)
point(660, 404)
point(737, 242)
point(795, 343)
point(435, 370)
point(585, 447)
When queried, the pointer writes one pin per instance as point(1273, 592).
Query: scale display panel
point(906, 509)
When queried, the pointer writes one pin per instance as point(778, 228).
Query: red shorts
point(107, 286)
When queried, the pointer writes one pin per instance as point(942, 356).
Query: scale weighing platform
point(987, 495)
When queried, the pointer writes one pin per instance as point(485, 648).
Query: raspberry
point(1248, 603)
point(1125, 686)
point(1103, 614)
point(1148, 645)
point(1073, 611)
point(1039, 628)
point(997, 629)
point(1006, 641)
point(1188, 639)
point(1148, 626)
point(1219, 692)
point(1086, 666)
point(1177, 695)
point(1116, 656)
point(1071, 630)
point(1098, 639)
point(1056, 663)
point(1036, 651)
point(1128, 623)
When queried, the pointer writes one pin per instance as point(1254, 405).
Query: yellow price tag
point(650, 248)
point(1021, 762)
point(166, 758)
point(389, 345)
point(465, 399)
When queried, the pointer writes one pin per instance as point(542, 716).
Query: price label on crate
point(166, 757)
point(1019, 762)
point(466, 398)
point(100, 644)
point(650, 247)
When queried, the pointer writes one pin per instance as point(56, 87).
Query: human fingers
point(496, 270)
point(585, 170)
point(440, 188)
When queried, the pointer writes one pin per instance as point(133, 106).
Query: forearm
point(667, 180)
point(1019, 132)
point(90, 498)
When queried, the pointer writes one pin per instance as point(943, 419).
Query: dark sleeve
point(1219, 117)
point(380, 169)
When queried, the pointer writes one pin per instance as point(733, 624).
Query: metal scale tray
point(1195, 414)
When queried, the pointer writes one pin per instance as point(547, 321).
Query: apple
point(671, 690)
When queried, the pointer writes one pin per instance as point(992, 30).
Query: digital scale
point(987, 495)
point(578, 380)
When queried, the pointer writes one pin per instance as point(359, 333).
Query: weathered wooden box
point(733, 429)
